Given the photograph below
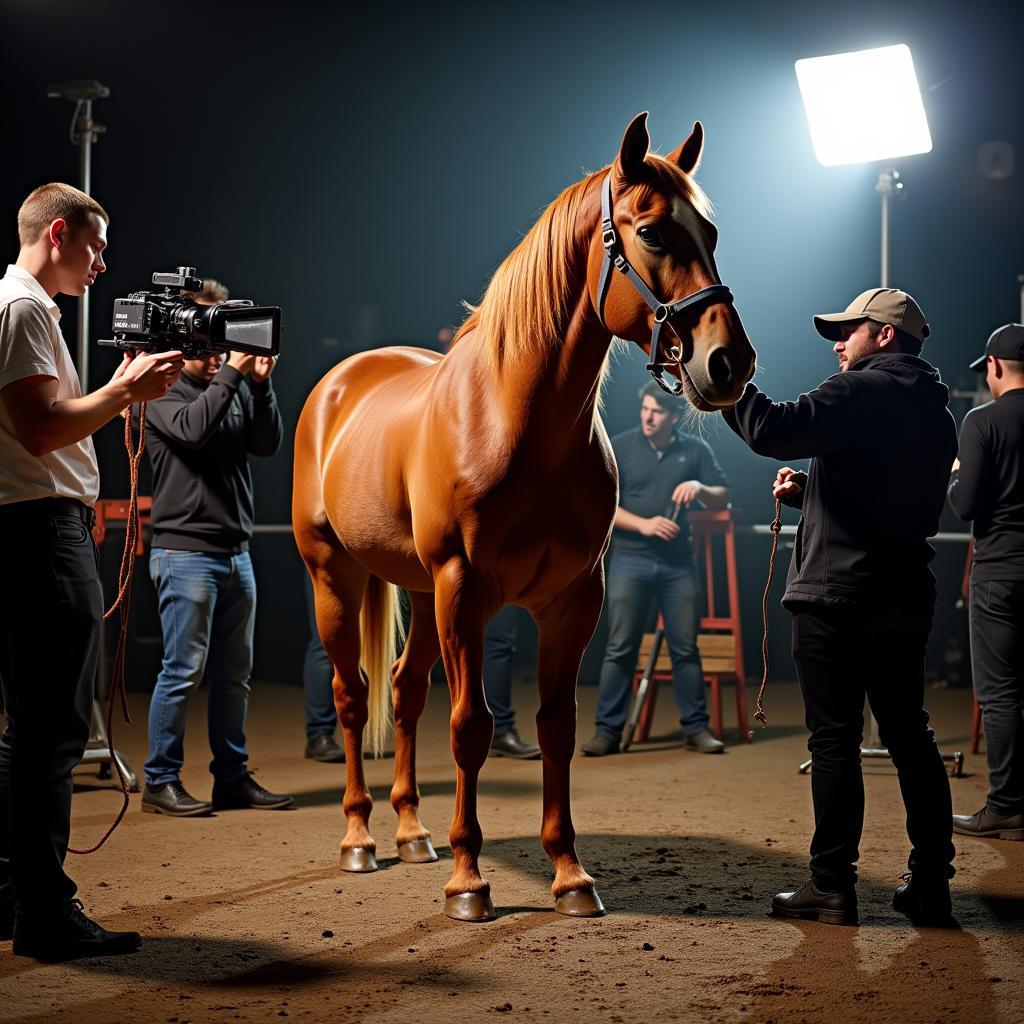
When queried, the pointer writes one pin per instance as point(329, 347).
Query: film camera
point(152, 321)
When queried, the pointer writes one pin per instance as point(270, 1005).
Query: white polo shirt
point(31, 345)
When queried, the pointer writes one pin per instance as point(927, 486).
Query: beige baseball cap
point(884, 305)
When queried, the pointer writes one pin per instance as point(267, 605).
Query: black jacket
point(199, 437)
point(989, 487)
point(883, 443)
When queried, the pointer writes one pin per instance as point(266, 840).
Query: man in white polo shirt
point(51, 605)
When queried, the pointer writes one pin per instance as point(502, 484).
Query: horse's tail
point(381, 634)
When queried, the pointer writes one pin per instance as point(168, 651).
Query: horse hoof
point(580, 903)
point(358, 858)
point(470, 906)
point(417, 851)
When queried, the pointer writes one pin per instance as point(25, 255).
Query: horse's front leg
point(565, 628)
point(461, 615)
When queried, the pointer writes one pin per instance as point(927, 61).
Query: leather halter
point(663, 311)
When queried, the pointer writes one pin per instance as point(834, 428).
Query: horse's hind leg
point(410, 682)
point(339, 585)
point(461, 615)
point(565, 627)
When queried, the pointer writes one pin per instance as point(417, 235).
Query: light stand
point(84, 132)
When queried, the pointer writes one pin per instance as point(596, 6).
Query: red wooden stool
point(720, 640)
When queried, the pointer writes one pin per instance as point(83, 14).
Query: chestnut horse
point(484, 476)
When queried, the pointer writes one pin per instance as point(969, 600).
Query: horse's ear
point(633, 150)
point(687, 156)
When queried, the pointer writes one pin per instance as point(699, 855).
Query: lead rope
point(776, 528)
point(124, 584)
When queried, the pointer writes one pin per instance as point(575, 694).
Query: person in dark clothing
point(882, 442)
point(199, 437)
point(661, 473)
point(500, 639)
point(988, 488)
point(318, 690)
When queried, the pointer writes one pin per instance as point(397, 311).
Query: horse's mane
point(523, 312)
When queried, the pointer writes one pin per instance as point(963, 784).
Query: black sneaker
point(925, 900)
point(323, 748)
point(172, 798)
point(600, 745)
point(511, 744)
point(809, 903)
point(69, 935)
point(247, 792)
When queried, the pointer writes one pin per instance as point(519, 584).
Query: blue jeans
point(634, 582)
point(207, 612)
point(499, 650)
point(317, 677)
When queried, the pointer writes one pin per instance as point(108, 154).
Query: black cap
point(1004, 343)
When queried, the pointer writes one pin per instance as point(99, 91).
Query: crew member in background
point(661, 473)
point(988, 488)
point(51, 604)
point(199, 438)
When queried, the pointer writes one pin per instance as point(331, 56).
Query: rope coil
point(124, 585)
point(776, 529)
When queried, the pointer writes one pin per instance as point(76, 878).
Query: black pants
point(51, 612)
point(841, 656)
point(997, 661)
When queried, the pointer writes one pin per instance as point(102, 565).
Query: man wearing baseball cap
point(988, 488)
point(882, 441)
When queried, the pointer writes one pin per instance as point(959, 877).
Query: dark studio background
point(366, 168)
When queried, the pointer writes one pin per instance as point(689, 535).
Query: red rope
point(124, 585)
point(776, 527)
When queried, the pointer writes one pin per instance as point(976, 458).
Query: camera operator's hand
point(148, 375)
point(660, 527)
point(264, 367)
point(243, 362)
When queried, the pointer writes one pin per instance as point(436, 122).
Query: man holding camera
point(862, 596)
point(199, 438)
point(51, 606)
point(988, 488)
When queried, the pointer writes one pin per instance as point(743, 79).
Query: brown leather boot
point(809, 903)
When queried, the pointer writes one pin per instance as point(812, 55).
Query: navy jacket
point(883, 443)
point(199, 437)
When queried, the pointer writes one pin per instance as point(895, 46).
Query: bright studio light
point(863, 106)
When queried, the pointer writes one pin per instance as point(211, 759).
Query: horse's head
point(652, 273)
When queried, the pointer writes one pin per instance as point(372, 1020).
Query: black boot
point(511, 744)
point(172, 798)
point(67, 934)
point(811, 904)
point(925, 900)
point(247, 792)
point(600, 745)
point(323, 748)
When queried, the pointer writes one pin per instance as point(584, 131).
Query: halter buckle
point(608, 236)
point(662, 313)
point(621, 264)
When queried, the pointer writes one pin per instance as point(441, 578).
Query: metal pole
point(84, 136)
point(886, 180)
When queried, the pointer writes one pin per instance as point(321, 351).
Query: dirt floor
point(246, 916)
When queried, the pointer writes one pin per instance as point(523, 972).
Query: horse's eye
point(650, 236)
